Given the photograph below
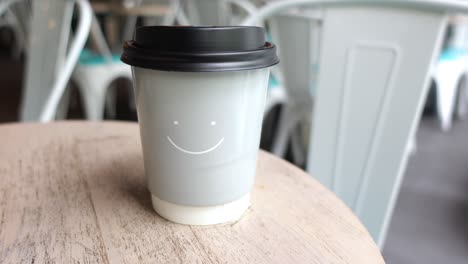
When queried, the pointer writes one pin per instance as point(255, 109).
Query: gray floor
point(430, 219)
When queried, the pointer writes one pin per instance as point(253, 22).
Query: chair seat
point(451, 54)
point(447, 74)
point(273, 82)
point(88, 57)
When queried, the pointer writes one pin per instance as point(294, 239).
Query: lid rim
point(227, 49)
point(131, 45)
point(198, 66)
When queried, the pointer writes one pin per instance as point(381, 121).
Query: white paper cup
point(200, 118)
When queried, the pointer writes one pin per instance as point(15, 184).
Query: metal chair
point(297, 33)
point(373, 76)
point(95, 73)
point(63, 75)
point(450, 75)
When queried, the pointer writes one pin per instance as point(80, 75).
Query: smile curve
point(195, 152)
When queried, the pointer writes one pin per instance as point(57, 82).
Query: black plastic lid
point(199, 49)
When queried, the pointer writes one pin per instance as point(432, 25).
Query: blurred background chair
point(297, 33)
point(373, 79)
point(50, 57)
point(99, 66)
point(14, 15)
point(450, 75)
point(95, 74)
point(217, 12)
point(70, 58)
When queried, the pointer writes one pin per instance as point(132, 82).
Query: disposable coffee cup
point(200, 94)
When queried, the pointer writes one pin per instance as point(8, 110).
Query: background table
point(75, 192)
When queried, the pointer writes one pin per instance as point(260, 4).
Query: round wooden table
point(75, 192)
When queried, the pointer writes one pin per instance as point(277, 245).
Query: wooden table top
point(75, 192)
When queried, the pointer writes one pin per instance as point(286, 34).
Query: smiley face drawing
point(195, 152)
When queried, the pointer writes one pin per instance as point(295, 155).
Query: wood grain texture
point(74, 192)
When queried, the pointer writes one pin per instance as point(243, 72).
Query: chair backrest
point(49, 63)
point(299, 51)
point(217, 12)
point(69, 60)
point(373, 78)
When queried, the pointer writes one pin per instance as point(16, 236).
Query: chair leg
point(287, 122)
point(297, 147)
point(94, 100)
point(412, 146)
point(132, 103)
point(62, 108)
point(111, 101)
point(462, 96)
point(443, 105)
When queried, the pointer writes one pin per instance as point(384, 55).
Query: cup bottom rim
point(201, 215)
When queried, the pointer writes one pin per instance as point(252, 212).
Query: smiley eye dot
point(176, 122)
point(213, 123)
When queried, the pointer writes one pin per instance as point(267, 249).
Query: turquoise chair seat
point(273, 82)
point(452, 54)
point(88, 57)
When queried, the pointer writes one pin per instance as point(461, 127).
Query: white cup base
point(201, 215)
